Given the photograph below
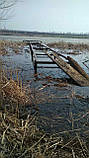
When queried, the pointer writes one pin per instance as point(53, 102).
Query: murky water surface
point(61, 108)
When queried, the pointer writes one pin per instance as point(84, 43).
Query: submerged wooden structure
point(67, 64)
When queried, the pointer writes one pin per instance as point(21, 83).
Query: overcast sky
point(51, 16)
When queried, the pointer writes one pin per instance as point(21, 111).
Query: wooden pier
point(67, 64)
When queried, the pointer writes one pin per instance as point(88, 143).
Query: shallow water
point(60, 108)
point(44, 39)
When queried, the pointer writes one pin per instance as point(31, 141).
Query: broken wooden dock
point(67, 64)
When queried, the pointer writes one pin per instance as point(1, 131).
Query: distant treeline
point(47, 34)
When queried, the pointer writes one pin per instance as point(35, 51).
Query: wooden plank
point(53, 50)
point(41, 54)
point(40, 48)
point(69, 70)
point(51, 67)
point(35, 42)
point(76, 66)
point(45, 62)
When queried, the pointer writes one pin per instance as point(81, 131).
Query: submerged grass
point(7, 46)
point(20, 136)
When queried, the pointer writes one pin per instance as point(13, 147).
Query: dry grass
point(14, 92)
point(67, 45)
point(21, 138)
point(6, 46)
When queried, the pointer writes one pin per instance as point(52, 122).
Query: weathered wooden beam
point(39, 48)
point(31, 50)
point(41, 54)
point(35, 63)
point(51, 67)
point(45, 62)
point(69, 70)
point(76, 66)
point(35, 42)
point(51, 49)
point(35, 67)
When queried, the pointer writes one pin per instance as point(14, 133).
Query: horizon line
point(53, 32)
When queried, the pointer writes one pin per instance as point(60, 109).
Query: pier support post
point(35, 67)
point(31, 51)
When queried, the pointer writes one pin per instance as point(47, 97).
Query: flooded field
point(43, 115)
point(63, 106)
point(45, 39)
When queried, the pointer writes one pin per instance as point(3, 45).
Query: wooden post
point(35, 66)
point(35, 63)
point(31, 49)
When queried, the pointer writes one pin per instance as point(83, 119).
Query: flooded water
point(44, 39)
point(61, 108)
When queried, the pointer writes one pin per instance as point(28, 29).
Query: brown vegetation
point(7, 46)
point(14, 92)
point(21, 138)
point(67, 45)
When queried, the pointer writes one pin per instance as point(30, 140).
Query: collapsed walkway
point(67, 64)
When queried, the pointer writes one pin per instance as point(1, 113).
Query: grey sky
point(51, 16)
